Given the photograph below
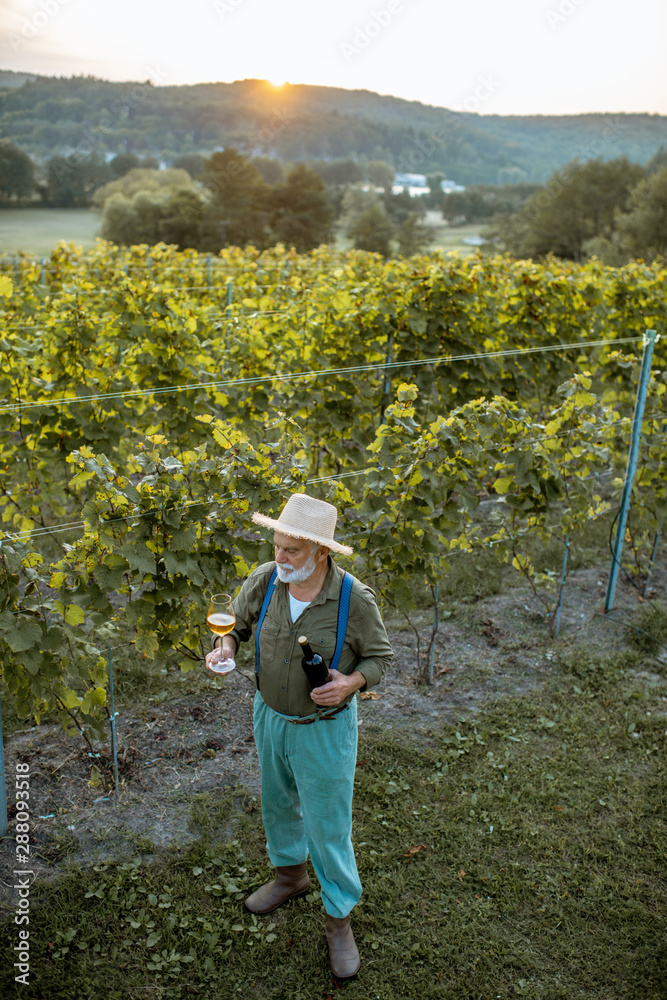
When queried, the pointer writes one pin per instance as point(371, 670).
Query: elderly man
point(307, 740)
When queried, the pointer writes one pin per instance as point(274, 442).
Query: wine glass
point(221, 619)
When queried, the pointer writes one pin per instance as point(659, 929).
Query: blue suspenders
point(260, 621)
point(341, 625)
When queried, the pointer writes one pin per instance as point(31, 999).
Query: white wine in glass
point(221, 619)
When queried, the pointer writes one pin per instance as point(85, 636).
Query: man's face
point(294, 559)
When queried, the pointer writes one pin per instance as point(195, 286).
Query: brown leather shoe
point(290, 881)
point(343, 952)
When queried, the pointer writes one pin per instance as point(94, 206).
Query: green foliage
point(139, 179)
point(338, 173)
point(238, 213)
point(146, 415)
point(648, 631)
point(481, 202)
point(379, 174)
point(72, 180)
point(171, 216)
point(641, 231)
point(122, 163)
point(371, 230)
point(578, 203)
point(271, 170)
point(412, 236)
point(418, 503)
point(301, 214)
point(17, 173)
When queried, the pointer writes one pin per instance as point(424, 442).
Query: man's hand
point(338, 689)
point(216, 657)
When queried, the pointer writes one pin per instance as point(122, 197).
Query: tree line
point(47, 115)
point(615, 211)
point(206, 203)
point(235, 201)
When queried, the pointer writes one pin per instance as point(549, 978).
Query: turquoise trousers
point(307, 784)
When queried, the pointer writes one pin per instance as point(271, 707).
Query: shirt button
point(282, 688)
point(286, 661)
point(292, 632)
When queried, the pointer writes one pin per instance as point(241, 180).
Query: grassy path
point(517, 854)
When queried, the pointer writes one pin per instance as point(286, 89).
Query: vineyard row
point(497, 435)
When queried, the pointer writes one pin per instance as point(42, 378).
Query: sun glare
point(277, 83)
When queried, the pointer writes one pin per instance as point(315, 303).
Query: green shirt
point(282, 681)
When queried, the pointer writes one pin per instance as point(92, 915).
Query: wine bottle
point(313, 665)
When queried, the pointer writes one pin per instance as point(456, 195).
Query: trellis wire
point(314, 373)
point(649, 342)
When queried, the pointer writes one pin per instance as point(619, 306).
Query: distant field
point(37, 230)
point(451, 237)
point(445, 237)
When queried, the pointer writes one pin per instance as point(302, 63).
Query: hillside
point(44, 115)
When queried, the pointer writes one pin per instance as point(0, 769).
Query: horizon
point(351, 90)
point(529, 58)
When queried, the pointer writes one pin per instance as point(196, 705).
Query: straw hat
point(305, 517)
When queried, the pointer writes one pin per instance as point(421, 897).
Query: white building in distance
point(417, 185)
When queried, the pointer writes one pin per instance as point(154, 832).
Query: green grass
point(452, 237)
point(36, 231)
point(521, 854)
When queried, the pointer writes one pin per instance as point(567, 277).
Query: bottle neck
point(306, 650)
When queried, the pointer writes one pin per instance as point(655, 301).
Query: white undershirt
point(296, 607)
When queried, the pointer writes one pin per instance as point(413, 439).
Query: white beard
point(296, 575)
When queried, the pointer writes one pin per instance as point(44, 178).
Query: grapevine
point(129, 470)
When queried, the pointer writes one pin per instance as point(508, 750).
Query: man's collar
point(331, 586)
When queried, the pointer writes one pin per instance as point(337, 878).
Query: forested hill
point(45, 115)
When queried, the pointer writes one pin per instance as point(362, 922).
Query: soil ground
point(175, 753)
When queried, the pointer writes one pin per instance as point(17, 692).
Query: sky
point(515, 57)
